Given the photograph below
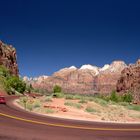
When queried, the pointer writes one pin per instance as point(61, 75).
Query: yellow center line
point(68, 126)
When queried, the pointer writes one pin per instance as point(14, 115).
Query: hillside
point(8, 58)
point(129, 80)
point(8, 63)
point(87, 79)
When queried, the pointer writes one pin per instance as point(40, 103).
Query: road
point(17, 124)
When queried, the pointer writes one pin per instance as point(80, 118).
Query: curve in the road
point(18, 124)
point(68, 126)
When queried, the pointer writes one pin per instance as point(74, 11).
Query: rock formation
point(8, 58)
point(107, 79)
point(85, 80)
point(130, 80)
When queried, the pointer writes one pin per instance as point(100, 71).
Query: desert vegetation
point(114, 107)
point(10, 83)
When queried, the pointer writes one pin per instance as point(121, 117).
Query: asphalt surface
point(17, 124)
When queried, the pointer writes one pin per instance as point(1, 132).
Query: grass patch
point(82, 101)
point(48, 99)
point(90, 98)
point(69, 97)
point(75, 105)
point(49, 111)
point(58, 95)
point(100, 101)
point(133, 107)
point(90, 109)
point(36, 104)
point(29, 106)
point(78, 97)
point(123, 103)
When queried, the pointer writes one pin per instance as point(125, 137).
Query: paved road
point(16, 124)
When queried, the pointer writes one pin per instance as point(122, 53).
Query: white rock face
point(90, 67)
point(105, 67)
point(117, 66)
point(67, 69)
point(38, 79)
point(72, 67)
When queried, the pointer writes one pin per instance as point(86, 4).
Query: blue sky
point(52, 34)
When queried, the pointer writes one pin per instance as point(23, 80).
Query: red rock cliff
point(8, 58)
point(130, 80)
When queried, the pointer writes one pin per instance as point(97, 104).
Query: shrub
point(48, 110)
point(36, 104)
point(89, 98)
point(57, 89)
point(69, 96)
point(75, 105)
point(14, 84)
point(123, 104)
point(133, 107)
point(90, 109)
point(29, 106)
point(29, 88)
point(114, 96)
point(4, 71)
point(23, 101)
point(100, 101)
point(78, 97)
point(58, 95)
point(82, 101)
point(127, 97)
point(48, 99)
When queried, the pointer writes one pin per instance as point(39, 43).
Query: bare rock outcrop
point(8, 58)
point(85, 80)
point(107, 79)
point(130, 80)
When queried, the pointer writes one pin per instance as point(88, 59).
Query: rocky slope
point(8, 58)
point(130, 80)
point(87, 79)
point(107, 79)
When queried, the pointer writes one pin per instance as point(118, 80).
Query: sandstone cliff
point(130, 80)
point(8, 58)
point(85, 80)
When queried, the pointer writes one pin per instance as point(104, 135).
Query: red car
point(2, 100)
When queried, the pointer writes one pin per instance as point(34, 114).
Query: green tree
point(4, 72)
point(114, 96)
point(29, 88)
point(15, 84)
point(57, 89)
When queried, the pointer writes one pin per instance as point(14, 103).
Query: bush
point(75, 105)
point(100, 101)
point(57, 89)
point(58, 95)
point(78, 97)
point(23, 101)
point(48, 110)
point(134, 107)
point(123, 103)
point(48, 99)
point(82, 101)
point(36, 104)
point(69, 96)
point(4, 71)
point(29, 106)
point(90, 109)
point(114, 97)
point(127, 97)
point(14, 84)
point(29, 88)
